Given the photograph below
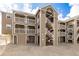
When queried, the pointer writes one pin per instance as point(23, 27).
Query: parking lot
point(60, 50)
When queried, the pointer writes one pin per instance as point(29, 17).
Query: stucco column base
point(55, 43)
point(42, 43)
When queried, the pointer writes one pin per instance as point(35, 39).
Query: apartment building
point(42, 29)
point(72, 30)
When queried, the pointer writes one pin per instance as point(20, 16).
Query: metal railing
point(30, 31)
point(62, 26)
point(30, 21)
point(62, 33)
point(19, 20)
point(19, 30)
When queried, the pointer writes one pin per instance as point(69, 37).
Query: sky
point(65, 10)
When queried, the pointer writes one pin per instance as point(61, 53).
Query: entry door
point(15, 39)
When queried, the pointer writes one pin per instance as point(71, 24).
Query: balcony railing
point(19, 20)
point(19, 30)
point(70, 26)
point(62, 33)
point(30, 21)
point(30, 31)
point(62, 26)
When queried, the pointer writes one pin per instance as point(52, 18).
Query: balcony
point(62, 33)
point(62, 26)
point(31, 22)
point(70, 37)
point(19, 30)
point(31, 31)
point(70, 26)
point(19, 20)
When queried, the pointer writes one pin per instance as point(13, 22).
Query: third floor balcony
point(19, 20)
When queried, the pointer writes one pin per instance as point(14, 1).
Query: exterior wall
point(37, 26)
point(42, 29)
point(5, 27)
point(6, 21)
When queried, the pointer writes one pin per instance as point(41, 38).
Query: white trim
point(9, 14)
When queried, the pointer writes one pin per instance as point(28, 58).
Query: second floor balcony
point(31, 31)
point(62, 34)
point(19, 30)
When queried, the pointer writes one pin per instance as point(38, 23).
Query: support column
point(75, 32)
point(55, 30)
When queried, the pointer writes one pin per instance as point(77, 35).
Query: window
point(9, 16)
point(8, 26)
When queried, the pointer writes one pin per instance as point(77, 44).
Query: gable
point(49, 7)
